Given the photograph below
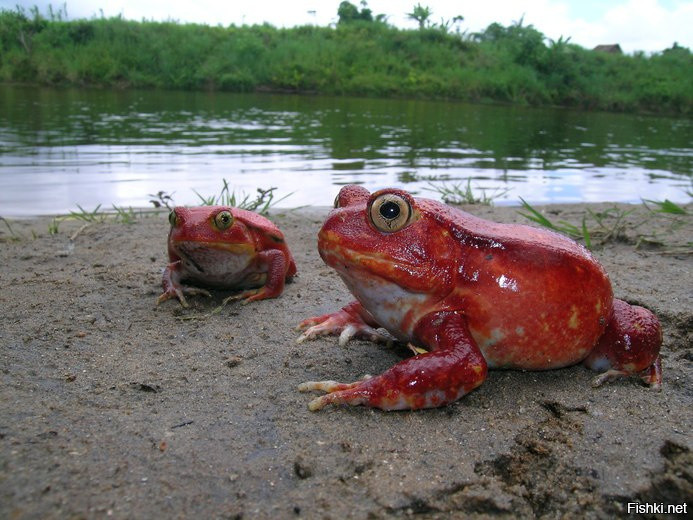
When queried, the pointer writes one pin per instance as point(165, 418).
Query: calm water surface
point(60, 148)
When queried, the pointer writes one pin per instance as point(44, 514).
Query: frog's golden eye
point(223, 220)
point(390, 212)
point(173, 219)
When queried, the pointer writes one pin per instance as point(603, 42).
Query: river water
point(63, 148)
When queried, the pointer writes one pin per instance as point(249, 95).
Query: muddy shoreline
point(111, 405)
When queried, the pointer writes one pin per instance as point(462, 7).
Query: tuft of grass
point(611, 225)
point(88, 217)
point(459, 193)
point(665, 206)
point(13, 236)
point(561, 226)
point(125, 216)
point(261, 204)
point(162, 199)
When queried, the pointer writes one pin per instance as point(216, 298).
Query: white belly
point(394, 308)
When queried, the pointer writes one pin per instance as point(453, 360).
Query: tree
point(420, 14)
point(348, 12)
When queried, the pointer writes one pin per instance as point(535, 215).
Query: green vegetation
point(362, 55)
point(13, 236)
point(613, 224)
point(261, 204)
point(561, 226)
point(88, 217)
point(263, 201)
point(458, 193)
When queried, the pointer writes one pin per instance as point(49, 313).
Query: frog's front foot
point(453, 368)
point(348, 322)
point(180, 292)
point(174, 289)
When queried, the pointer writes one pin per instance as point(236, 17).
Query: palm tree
point(420, 14)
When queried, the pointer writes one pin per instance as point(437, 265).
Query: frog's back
point(481, 233)
point(534, 299)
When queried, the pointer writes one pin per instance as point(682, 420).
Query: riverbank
point(112, 405)
point(515, 64)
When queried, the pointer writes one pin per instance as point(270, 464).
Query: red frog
point(225, 248)
point(476, 294)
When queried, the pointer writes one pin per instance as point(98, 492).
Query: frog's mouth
point(191, 247)
point(358, 264)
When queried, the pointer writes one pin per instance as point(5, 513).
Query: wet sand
point(111, 405)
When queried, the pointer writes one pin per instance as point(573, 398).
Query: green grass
point(515, 64)
point(13, 236)
point(459, 193)
point(612, 224)
point(666, 207)
point(261, 203)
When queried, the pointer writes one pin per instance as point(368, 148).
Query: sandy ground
point(110, 405)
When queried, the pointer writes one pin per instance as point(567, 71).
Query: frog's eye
point(335, 205)
point(173, 219)
point(390, 212)
point(223, 220)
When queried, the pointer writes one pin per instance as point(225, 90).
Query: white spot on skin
point(574, 321)
point(496, 336)
point(520, 331)
point(505, 282)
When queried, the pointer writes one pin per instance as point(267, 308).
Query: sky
point(637, 25)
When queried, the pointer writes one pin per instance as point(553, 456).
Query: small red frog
point(226, 248)
point(475, 294)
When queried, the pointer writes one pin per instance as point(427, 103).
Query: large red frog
point(476, 295)
point(225, 248)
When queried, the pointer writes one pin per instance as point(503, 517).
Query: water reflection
point(59, 148)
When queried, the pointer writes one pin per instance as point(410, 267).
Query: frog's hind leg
point(630, 345)
point(453, 368)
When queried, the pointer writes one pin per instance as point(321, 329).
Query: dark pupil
point(389, 210)
point(225, 218)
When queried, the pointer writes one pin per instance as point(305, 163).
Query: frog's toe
point(246, 297)
point(336, 393)
point(310, 322)
point(335, 398)
point(193, 291)
point(254, 295)
point(322, 326)
point(313, 332)
point(609, 375)
point(651, 376)
point(173, 293)
point(363, 331)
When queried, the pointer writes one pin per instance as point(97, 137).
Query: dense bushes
point(363, 57)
